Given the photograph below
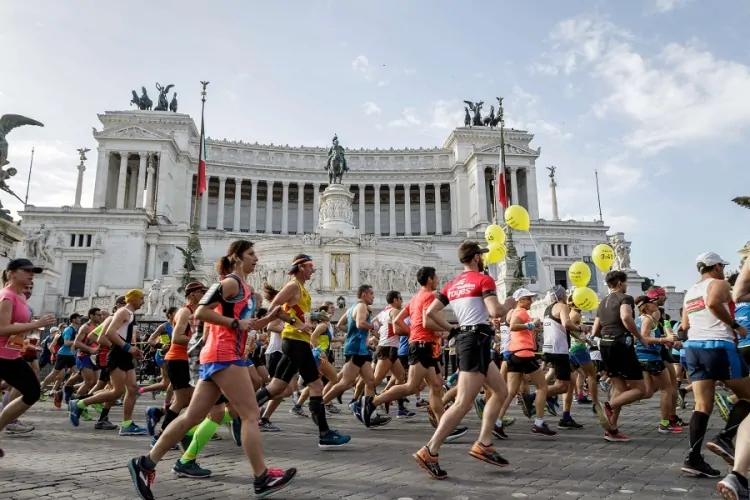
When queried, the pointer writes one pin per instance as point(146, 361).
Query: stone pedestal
point(335, 217)
point(635, 281)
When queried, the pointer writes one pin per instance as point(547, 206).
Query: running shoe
point(405, 414)
point(432, 417)
point(190, 469)
point(508, 421)
point(550, 406)
point(132, 430)
point(730, 488)
point(142, 478)
point(153, 415)
point(699, 468)
point(332, 439)
point(235, 429)
point(74, 412)
point(487, 454)
point(668, 429)
point(267, 426)
point(723, 405)
point(479, 406)
point(18, 427)
point(456, 434)
point(105, 425)
point(499, 433)
point(332, 408)
point(297, 410)
point(615, 436)
point(723, 447)
point(429, 462)
point(543, 430)
point(568, 425)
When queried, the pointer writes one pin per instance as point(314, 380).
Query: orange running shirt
point(415, 308)
point(225, 344)
point(177, 351)
point(522, 342)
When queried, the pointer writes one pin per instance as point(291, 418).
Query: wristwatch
point(292, 321)
point(235, 324)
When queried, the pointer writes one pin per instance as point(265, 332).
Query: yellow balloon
point(517, 217)
point(484, 259)
point(494, 234)
point(603, 256)
point(497, 253)
point(585, 298)
point(579, 274)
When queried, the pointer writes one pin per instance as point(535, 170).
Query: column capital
point(222, 179)
point(301, 184)
point(238, 180)
point(437, 185)
point(362, 186)
point(270, 183)
point(422, 186)
point(376, 187)
point(406, 185)
point(254, 182)
point(142, 154)
point(392, 187)
point(514, 169)
point(124, 154)
point(285, 183)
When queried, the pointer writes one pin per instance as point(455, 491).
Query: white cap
point(709, 259)
point(521, 293)
point(54, 329)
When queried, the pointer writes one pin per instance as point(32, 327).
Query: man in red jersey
point(473, 297)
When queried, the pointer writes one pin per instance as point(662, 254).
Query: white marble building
point(411, 207)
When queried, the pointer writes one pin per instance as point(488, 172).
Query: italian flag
point(202, 161)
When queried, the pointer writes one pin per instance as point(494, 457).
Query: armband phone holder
point(212, 295)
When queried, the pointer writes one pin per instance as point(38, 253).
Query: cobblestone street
point(59, 461)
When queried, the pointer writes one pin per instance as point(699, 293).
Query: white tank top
point(388, 337)
point(504, 338)
point(274, 343)
point(125, 329)
point(555, 335)
point(703, 324)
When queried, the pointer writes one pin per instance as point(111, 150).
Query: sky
point(652, 94)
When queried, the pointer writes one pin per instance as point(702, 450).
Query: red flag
point(202, 162)
point(502, 192)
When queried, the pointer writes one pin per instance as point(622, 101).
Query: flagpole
point(598, 197)
point(204, 84)
point(28, 182)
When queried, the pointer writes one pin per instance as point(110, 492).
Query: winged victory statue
point(8, 123)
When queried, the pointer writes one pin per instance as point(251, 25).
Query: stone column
point(220, 206)
point(407, 209)
point(285, 207)
point(101, 182)
point(254, 206)
point(454, 208)
point(142, 174)
point(204, 204)
point(237, 203)
point(150, 178)
point(392, 229)
point(300, 208)
point(151, 261)
point(553, 188)
point(122, 179)
point(79, 185)
point(377, 209)
point(514, 186)
point(362, 208)
point(422, 209)
point(96, 276)
point(438, 211)
point(316, 205)
point(269, 207)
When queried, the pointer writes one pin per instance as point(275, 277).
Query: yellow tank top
point(297, 312)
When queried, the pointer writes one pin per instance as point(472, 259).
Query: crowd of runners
point(230, 354)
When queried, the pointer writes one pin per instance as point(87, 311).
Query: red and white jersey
point(466, 296)
point(388, 337)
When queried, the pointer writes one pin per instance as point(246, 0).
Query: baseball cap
point(120, 300)
point(643, 300)
point(522, 293)
point(468, 249)
point(54, 329)
point(195, 286)
point(557, 293)
point(656, 292)
point(709, 259)
point(25, 264)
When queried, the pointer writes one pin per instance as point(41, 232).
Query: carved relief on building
point(340, 271)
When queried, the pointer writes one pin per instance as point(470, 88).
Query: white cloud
point(360, 64)
point(447, 115)
point(370, 108)
point(408, 119)
point(662, 6)
point(382, 83)
point(619, 179)
point(677, 96)
point(410, 71)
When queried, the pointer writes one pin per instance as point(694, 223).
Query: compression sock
point(318, 412)
point(201, 438)
point(698, 425)
point(740, 410)
point(168, 417)
point(227, 418)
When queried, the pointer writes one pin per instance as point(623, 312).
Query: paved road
point(62, 462)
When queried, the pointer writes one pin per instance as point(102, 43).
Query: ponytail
point(269, 292)
point(224, 266)
point(236, 249)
